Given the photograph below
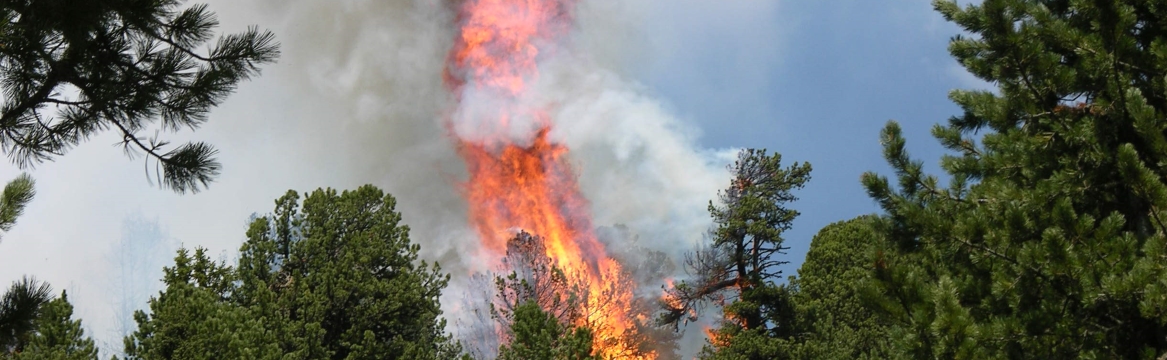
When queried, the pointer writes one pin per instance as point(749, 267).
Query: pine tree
point(341, 279)
point(739, 270)
point(194, 319)
point(58, 336)
point(535, 278)
point(1048, 241)
point(72, 69)
point(335, 277)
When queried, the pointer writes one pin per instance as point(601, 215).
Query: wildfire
point(526, 182)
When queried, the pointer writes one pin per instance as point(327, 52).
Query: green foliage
point(833, 321)
point(538, 334)
point(19, 309)
point(344, 275)
point(72, 69)
point(822, 309)
point(735, 343)
point(772, 341)
point(16, 195)
point(747, 242)
point(752, 215)
point(334, 278)
point(739, 270)
point(194, 319)
point(57, 335)
point(1048, 241)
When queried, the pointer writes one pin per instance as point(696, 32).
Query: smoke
point(365, 77)
point(144, 248)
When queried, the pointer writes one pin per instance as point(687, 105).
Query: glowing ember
point(525, 182)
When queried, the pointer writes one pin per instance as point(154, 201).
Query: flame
point(527, 183)
point(713, 337)
point(670, 300)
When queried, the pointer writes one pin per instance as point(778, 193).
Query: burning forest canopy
point(1046, 242)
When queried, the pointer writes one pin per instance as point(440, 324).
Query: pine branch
point(133, 66)
point(18, 193)
point(183, 169)
point(19, 308)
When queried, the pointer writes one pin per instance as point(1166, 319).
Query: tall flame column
point(521, 180)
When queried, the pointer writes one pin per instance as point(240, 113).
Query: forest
point(1041, 237)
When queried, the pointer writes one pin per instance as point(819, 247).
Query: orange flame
point(530, 186)
point(714, 338)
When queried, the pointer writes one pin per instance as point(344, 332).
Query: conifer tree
point(739, 270)
point(194, 319)
point(333, 277)
point(527, 276)
point(57, 335)
point(1049, 240)
point(535, 278)
point(340, 277)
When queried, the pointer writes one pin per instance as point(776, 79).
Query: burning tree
point(534, 280)
point(649, 270)
point(738, 269)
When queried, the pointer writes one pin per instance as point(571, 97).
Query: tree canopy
point(35, 325)
point(333, 277)
point(1048, 240)
point(57, 335)
point(194, 317)
point(832, 319)
point(538, 334)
